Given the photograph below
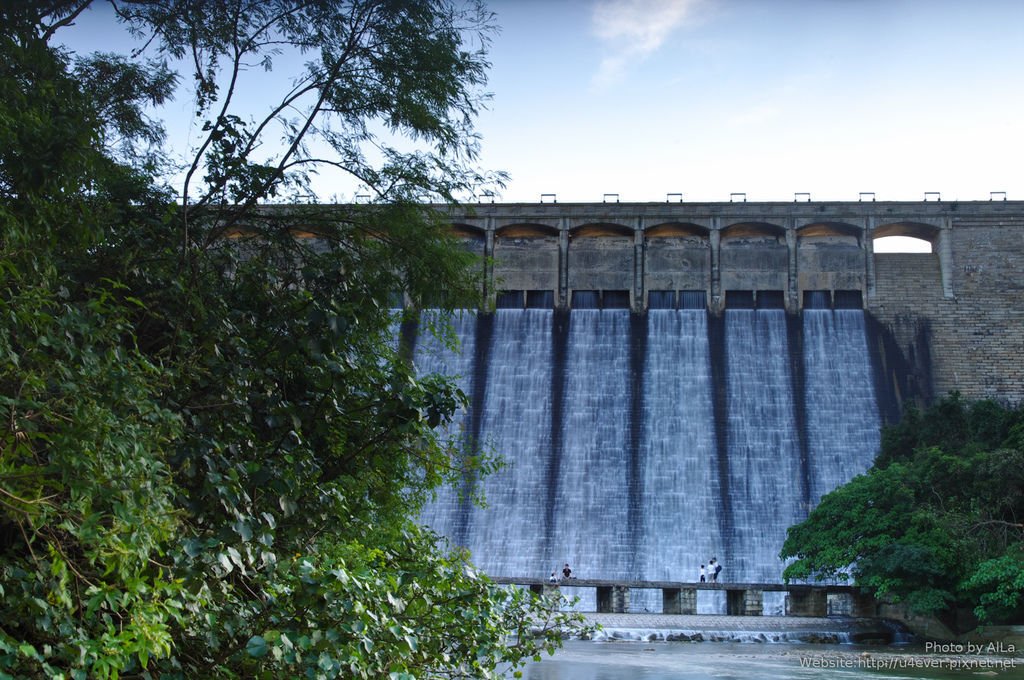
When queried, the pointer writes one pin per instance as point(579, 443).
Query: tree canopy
point(937, 522)
point(212, 453)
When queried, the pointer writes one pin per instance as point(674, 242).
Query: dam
point(669, 383)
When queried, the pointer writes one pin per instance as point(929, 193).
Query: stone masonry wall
point(977, 337)
point(955, 316)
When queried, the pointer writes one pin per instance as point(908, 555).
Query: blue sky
point(771, 97)
point(644, 98)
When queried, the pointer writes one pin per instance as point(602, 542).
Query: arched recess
point(753, 256)
point(829, 258)
point(600, 230)
point(686, 230)
point(829, 234)
point(471, 238)
point(601, 256)
point(677, 256)
point(467, 231)
point(526, 230)
point(753, 231)
point(905, 237)
point(526, 257)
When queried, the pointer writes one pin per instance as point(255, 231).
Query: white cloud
point(633, 29)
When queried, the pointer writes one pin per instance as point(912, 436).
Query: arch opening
point(904, 237)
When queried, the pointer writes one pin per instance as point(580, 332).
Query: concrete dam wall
point(669, 383)
point(955, 315)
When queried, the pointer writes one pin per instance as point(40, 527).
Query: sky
point(646, 98)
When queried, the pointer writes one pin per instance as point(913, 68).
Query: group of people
point(714, 568)
point(566, 574)
point(708, 573)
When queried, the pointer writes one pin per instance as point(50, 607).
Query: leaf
point(288, 506)
point(242, 528)
point(256, 647)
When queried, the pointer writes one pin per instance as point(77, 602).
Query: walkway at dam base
point(814, 613)
point(741, 599)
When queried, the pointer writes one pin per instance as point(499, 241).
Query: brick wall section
point(976, 339)
point(987, 335)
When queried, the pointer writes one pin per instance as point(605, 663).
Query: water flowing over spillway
point(842, 425)
point(639, 446)
point(516, 422)
point(764, 458)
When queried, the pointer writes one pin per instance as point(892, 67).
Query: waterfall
point(509, 534)
point(591, 507)
point(764, 452)
point(444, 513)
point(680, 480)
point(842, 413)
point(638, 447)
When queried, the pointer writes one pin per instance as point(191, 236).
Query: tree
point(213, 454)
point(936, 522)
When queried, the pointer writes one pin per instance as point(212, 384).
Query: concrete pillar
point(678, 600)
point(638, 303)
point(620, 599)
point(744, 602)
point(753, 603)
point(864, 605)
point(868, 245)
point(717, 302)
point(945, 249)
point(562, 301)
point(490, 294)
point(807, 602)
point(792, 281)
point(688, 601)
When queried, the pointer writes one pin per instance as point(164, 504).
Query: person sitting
point(552, 578)
point(566, 571)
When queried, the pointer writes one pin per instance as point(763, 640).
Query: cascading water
point(592, 501)
point(842, 415)
point(509, 534)
point(680, 491)
point(763, 446)
point(614, 460)
point(432, 355)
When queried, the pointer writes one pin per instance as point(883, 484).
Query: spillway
point(639, 446)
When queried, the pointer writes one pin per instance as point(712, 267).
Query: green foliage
point(212, 455)
point(998, 585)
point(936, 522)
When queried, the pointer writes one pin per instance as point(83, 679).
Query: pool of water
point(581, 660)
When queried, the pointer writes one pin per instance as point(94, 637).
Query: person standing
point(718, 570)
point(702, 580)
point(711, 570)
